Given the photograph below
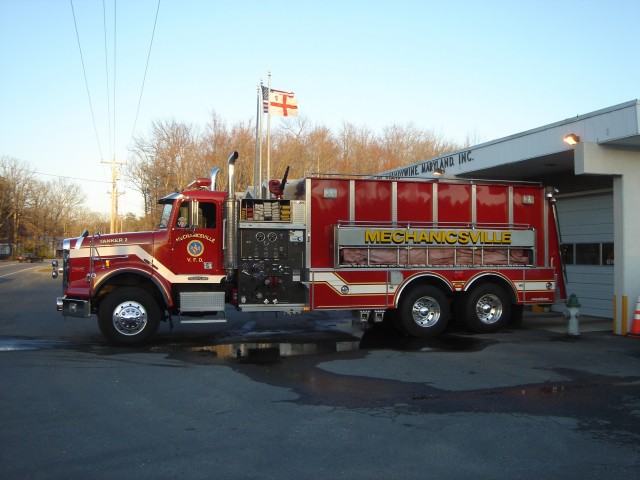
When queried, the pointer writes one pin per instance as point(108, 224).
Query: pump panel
point(272, 266)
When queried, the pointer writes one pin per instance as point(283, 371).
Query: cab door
point(197, 245)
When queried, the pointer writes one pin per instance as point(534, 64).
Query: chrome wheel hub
point(426, 312)
point(489, 309)
point(129, 318)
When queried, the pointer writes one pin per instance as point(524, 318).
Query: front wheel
point(129, 316)
point(424, 311)
point(486, 308)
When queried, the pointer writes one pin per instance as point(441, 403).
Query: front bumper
point(71, 307)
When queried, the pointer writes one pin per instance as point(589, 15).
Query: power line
point(145, 71)
point(112, 87)
point(106, 71)
point(86, 82)
point(115, 16)
point(70, 178)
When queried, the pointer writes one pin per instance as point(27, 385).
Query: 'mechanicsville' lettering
point(438, 237)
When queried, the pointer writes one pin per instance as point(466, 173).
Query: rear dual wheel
point(424, 311)
point(486, 308)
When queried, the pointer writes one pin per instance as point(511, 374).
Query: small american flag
point(265, 99)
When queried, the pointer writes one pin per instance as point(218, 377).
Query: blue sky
point(479, 69)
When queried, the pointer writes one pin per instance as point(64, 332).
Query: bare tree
point(5, 202)
point(166, 161)
point(64, 198)
point(359, 150)
point(18, 176)
point(322, 151)
point(93, 222)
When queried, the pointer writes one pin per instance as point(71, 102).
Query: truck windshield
point(166, 214)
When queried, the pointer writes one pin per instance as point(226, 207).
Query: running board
point(204, 320)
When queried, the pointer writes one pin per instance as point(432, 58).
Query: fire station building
point(594, 162)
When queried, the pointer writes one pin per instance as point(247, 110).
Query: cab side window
point(206, 215)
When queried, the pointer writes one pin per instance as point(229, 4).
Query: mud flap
point(517, 312)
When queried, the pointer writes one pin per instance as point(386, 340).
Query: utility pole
point(115, 175)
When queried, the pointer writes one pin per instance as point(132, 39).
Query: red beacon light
point(200, 184)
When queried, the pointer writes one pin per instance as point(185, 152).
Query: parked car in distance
point(30, 258)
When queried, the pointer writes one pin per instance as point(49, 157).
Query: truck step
point(203, 320)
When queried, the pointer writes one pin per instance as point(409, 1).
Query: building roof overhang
point(538, 152)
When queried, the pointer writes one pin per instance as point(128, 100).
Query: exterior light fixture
point(550, 193)
point(438, 172)
point(571, 139)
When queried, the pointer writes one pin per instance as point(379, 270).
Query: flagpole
point(257, 149)
point(269, 131)
point(259, 184)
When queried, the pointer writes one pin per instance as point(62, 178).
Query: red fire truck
point(408, 251)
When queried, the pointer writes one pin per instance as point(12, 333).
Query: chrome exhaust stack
point(214, 176)
point(232, 174)
point(231, 217)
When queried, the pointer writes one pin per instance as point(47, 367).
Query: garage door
point(586, 226)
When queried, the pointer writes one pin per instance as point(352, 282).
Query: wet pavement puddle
point(276, 346)
point(269, 346)
point(15, 344)
point(272, 352)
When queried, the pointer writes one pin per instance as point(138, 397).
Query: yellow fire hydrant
point(572, 313)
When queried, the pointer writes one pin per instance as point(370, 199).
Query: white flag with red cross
point(282, 104)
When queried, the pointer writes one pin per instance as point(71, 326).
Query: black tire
point(487, 308)
point(129, 316)
point(424, 311)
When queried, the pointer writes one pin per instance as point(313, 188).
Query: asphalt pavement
point(311, 396)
